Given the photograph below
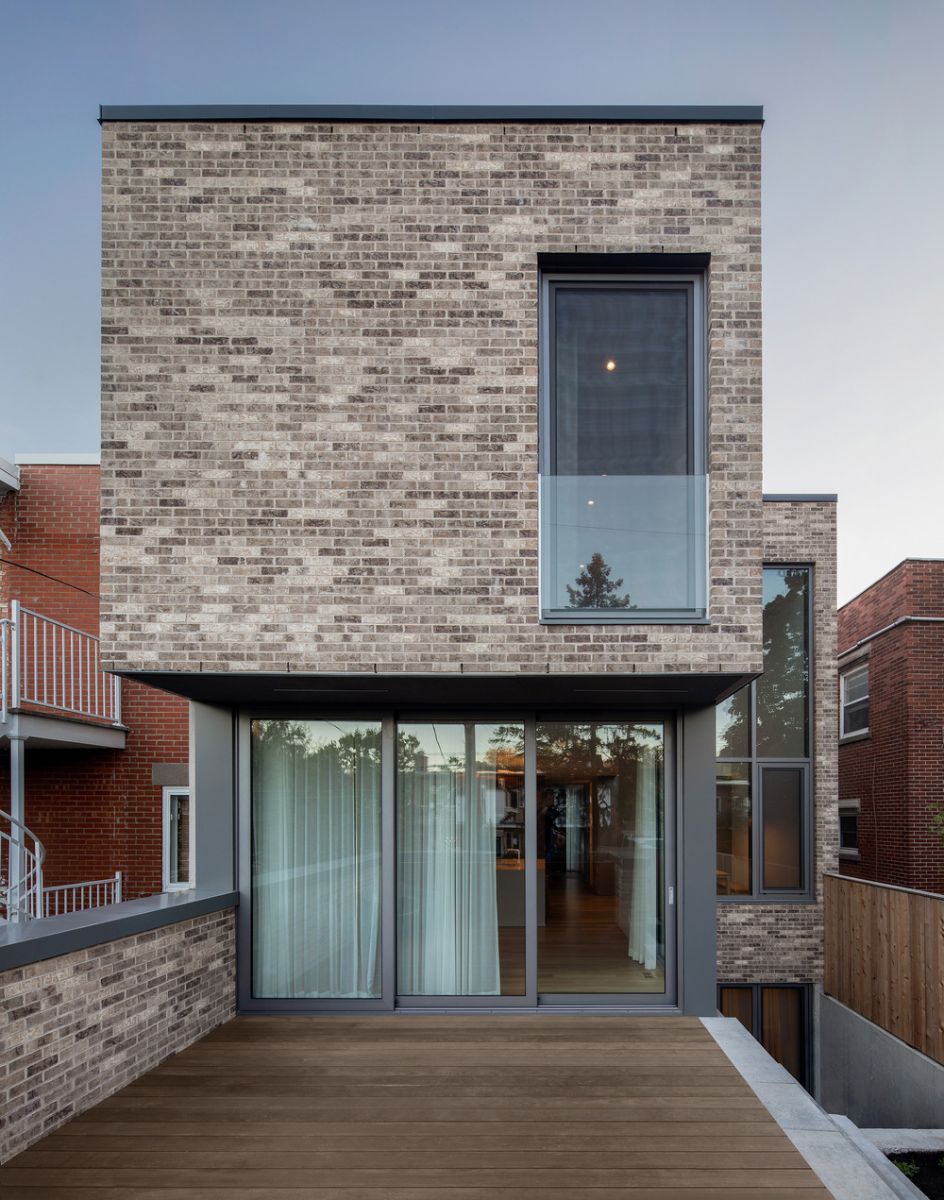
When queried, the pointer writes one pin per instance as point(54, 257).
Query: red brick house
point(102, 761)
point(891, 747)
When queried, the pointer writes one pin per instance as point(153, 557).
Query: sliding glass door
point(460, 859)
point(457, 863)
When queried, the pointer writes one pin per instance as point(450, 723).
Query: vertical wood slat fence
point(884, 958)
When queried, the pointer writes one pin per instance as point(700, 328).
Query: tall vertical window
point(178, 839)
point(623, 489)
point(763, 751)
point(854, 687)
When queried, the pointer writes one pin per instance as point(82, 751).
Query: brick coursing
point(95, 811)
point(75, 1029)
point(897, 772)
point(783, 943)
point(320, 388)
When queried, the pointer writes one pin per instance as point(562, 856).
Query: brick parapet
point(75, 1029)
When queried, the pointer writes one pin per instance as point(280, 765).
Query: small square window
point(854, 699)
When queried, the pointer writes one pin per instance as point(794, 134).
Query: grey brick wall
point(75, 1029)
point(320, 393)
point(784, 942)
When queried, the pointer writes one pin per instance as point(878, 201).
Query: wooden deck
point(414, 1108)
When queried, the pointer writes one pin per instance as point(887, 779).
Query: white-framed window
point(854, 700)
point(849, 829)
point(178, 854)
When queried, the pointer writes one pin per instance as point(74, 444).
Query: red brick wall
point(96, 811)
point(897, 773)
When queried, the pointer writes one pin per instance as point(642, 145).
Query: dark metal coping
point(437, 113)
point(800, 498)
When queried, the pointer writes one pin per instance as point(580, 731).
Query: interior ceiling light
point(611, 364)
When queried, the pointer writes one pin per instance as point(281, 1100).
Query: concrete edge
point(839, 1164)
point(906, 1141)
point(900, 1184)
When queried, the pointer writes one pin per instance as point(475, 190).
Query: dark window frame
point(849, 808)
point(759, 893)
point(696, 281)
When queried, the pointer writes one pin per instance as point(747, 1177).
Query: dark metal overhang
point(468, 691)
point(449, 114)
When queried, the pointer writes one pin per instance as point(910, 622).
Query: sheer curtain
point(316, 859)
point(447, 909)
point(643, 943)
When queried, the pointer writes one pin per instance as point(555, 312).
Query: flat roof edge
point(440, 114)
point(800, 498)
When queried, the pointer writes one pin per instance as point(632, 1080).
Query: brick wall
point(320, 400)
point(897, 772)
point(75, 1029)
point(96, 811)
point(783, 943)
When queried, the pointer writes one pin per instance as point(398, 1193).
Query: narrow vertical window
point(623, 512)
point(178, 839)
point(855, 700)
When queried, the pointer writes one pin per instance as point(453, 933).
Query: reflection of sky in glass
point(650, 529)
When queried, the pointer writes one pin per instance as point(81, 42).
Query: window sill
point(769, 898)
point(860, 735)
point(849, 855)
point(637, 619)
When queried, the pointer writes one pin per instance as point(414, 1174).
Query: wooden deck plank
point(416, 1108)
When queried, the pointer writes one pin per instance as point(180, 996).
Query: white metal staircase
point(23, 895)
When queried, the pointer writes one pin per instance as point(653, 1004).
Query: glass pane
point(848, 830)
point(622, 386)
point(782, 690)
point(782, 789)
point(316, 858)
point(782, 1033)
point(179, 865)
point(460, 859)
point(855, 685)
point(733, 870)
point(601, 926)
point(623, 543)
point(733, 726)
point(738, 1002)
point(855, 717)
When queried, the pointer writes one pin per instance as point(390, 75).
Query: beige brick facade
point(320, 388)
point(783, 943)
point(75, 1029)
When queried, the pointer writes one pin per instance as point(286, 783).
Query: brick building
point(431, 476)
point(891, 747)
point(94, 780)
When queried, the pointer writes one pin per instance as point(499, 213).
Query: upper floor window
point(854, 686)
point(623, 487)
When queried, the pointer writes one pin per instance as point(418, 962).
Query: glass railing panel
point(624, 547)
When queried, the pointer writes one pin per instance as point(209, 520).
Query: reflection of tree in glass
point(782, 689)
point(352, 748)
point(595, 589)
point(735, 712)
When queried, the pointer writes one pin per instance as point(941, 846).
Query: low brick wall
point(75, 1029)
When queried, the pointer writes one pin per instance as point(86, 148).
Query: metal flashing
point(554, 114)
point(800, 498)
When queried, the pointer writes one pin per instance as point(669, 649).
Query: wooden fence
point(884, 958)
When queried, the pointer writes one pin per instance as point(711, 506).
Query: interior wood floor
point(534, 1107)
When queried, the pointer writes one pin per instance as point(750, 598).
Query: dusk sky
point(853, 187)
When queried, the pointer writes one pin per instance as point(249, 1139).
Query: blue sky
point(853, 187)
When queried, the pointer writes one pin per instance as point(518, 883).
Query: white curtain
point(316, 859)
point(447, 908)
point(643, 945)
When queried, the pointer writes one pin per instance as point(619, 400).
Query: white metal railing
point(21, 871)
point(75, 897)
point(52, 665)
